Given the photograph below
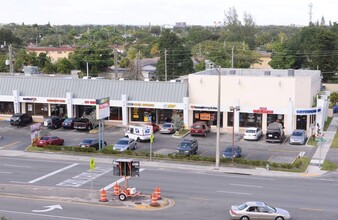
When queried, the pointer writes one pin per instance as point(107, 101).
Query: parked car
point(20, 119)
point(49, 140)
point(200, 128)
point(155, 127)
point(125, 144)
point(92, 142)
point(298, 136)
point(69, 123)
point(167, 128)
point(258, 210)
point(53, 122)
point(275, 132)
point(83, 124)
point(227, 153)
point(252, 133)
point(187, 147)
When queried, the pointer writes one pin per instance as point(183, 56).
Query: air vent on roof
point(291, 72)
point(267, 73)
point(232, 72)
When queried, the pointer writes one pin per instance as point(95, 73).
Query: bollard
point(267, 167)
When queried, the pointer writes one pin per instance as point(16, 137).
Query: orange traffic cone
point(116, 189)
point(158, 193)
point(103, 195)
point(154, 202)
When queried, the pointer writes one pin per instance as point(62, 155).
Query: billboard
point(102, 108)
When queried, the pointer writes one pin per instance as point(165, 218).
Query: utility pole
point(115, 63)
point(217, 159)
point(232, 57)
point(165, 64)
point(11, 67)
point(310, 13)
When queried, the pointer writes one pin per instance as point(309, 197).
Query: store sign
point(29, 99)
point(102, 108)
point(202, 107)
point(310, 111)
point(90, 102)
point(205, 116)
point(56, 100)
point(141, 104)
point(169, 106)
point(262, 110)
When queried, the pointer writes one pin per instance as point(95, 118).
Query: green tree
point(178, 58)
point(64, 66)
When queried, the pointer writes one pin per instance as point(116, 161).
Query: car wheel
point(62, 143)
point(138, 139)
point(135, 146)
point(55, 126)
point(122, 197)
point(279, 218)
point(245, 218)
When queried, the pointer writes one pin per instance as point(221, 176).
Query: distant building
point(54, 53)
point(181, 24)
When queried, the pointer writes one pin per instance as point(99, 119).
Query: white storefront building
point(257, 98)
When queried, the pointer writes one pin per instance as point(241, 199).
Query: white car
point(252, 133)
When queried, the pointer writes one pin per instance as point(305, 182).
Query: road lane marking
point(234, 184)
point(231, 192)
point(8, 145)
point(312, 209)
point(197, 198)
point(118, 181)
point(18, 166)
point(4, 172)
point(53, 173)
point(43, 215)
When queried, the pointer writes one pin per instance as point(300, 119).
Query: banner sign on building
point(102, 108)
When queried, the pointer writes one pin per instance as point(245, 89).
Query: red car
point(49, 140)
point(155, 126)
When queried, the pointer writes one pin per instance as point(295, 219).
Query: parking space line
point(270, 158)
point(247, 157)
point(203, 153)
point(17, 166)
point(11, 144)
point(53, 173)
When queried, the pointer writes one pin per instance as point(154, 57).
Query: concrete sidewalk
point(323, 148)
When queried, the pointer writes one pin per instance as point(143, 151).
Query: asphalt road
point(197, 193)
point(18, 138)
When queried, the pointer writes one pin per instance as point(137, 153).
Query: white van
point(139, 132)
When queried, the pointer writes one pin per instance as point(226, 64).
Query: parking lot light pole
point(233, 109)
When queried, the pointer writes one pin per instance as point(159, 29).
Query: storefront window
point(37, 109)
point(275, 117)
point(115, 113)
point(7, 108)
point(143, 114)
point(210, 117)
point(250, 120)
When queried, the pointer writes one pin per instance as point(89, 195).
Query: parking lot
point(18, 138)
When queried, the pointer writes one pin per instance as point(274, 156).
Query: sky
point(164, 12)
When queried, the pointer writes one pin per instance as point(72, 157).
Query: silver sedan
point(257, 210)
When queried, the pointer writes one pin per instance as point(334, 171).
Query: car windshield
point(241, 207)
point(297, 133)
point(197, 126)
point(166, 125)
point(69, 120)
point(185, 145)
point(87, 141)
point(45, 138)
point(122, 142)
point(229, 149)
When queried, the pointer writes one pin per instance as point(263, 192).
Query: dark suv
point(53, 122)
point(20, 119)
point(187, 147)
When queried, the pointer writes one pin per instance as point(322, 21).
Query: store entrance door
point(301, 122)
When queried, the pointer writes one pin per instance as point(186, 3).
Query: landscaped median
point(299, 165)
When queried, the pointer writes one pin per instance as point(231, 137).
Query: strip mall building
point(255, 97)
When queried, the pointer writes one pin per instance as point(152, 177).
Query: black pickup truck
point(275, 132)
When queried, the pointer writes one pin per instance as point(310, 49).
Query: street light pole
point(233, 109)
point(218, 117)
